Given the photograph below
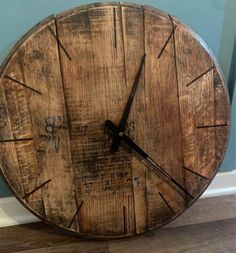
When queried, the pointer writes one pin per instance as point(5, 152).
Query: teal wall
point(213, 20)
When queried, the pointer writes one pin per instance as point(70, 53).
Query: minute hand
point(116, 141)
point(155, 167)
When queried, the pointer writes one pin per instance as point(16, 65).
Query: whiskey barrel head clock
point(114, 119)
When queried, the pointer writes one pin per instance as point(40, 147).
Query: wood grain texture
point(38, 65)
point(197, 143)
point(134, 49)
point(98, 176)
point(164, 126)
point(74, 71)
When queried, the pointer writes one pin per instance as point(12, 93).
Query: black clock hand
point(155, 167)
point(116, 140)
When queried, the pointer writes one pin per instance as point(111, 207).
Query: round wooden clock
point(113, 119)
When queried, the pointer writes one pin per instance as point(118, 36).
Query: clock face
point(113, 119)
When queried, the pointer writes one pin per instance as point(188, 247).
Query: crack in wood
point(115, 30)
point(144, 81)
point(124, 219)
point(123, 41)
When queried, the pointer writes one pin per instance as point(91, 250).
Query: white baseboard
point(223, 184)
point(13, 213)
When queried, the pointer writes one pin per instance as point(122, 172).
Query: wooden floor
point(211, 237)
point(218, 236)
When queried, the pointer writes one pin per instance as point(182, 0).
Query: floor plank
point(84, 247)
point(39, 237)
point(211, 237)
point(208, 210)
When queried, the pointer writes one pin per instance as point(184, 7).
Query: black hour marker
point(167, 203)
point(16, 140)
point(124, 218)
point(59, 43)
point(77, 212)
point(38, 187)
point(194, 172)
point(172, 21)
point(208, 126)
point(114, 17)
point(167, 41)
point(198, 77)
point(22, 84)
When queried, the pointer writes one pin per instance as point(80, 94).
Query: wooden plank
point(163, 122)
point(42, 69)
point(197, 108)
point(133, 33)
point(17, 97)
point(88, 35)
point(8, 153)
point(48, 127)
point(33, 236)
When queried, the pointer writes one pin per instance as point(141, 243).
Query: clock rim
point(156, 11)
